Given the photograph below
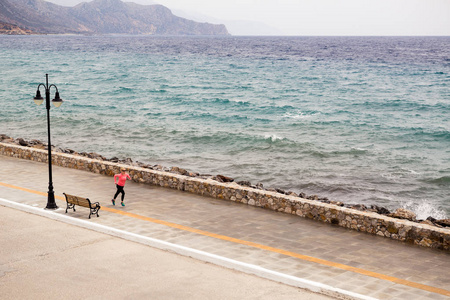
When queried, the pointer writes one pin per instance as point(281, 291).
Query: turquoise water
point(357, 120)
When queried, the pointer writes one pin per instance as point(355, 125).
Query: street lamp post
point(51, 204)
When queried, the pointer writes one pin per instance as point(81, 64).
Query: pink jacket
point(122, 179)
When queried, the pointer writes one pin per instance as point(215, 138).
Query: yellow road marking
point(259, 246)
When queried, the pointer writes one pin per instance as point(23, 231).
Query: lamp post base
point(51, 204)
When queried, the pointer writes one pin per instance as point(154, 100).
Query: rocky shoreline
point(399, 213)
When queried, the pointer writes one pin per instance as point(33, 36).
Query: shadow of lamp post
point(51, 204)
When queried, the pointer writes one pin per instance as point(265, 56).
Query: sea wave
point(300, 114)
point(442, 181)
point(425, 209)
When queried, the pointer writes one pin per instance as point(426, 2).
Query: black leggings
point(119, 190)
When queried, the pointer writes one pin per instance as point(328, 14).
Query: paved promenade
point(286, 248)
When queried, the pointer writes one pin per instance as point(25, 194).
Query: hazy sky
point(323, 17)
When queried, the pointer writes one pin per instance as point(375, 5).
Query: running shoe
point(113, 201)
point(122, 203)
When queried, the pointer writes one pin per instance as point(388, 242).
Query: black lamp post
point(51, 204)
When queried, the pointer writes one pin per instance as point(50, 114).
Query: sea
point(361, 120)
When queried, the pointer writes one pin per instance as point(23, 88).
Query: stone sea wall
point(370, 222)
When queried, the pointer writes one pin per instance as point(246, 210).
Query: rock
point(443, 222)
point(178, 170)
point(4, 137)
point(428, 222)
point(338, 203)
point(96, 156)
point(360, 207)
point(431, 219)
point(222, 178)
point(244, 183)
point(313, 197)
point(22, 142)
point(281, 191)
point(259, 186)
point(69, 151)
point(302, 195)
point(36, 142)
point(402, 213)
point(380, 210)
point(290, 193)
point(39, 146)
point(114, 159)
point(9, 141)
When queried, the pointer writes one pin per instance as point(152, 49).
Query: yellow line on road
point(259, 246)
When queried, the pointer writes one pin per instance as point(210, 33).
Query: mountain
point(101, 17)
point(6, 28)
point(234, 27)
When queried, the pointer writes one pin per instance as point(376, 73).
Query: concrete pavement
point(359, 263)
point(41, 258)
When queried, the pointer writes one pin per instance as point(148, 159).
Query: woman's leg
point(123, 194)
point(119, 190)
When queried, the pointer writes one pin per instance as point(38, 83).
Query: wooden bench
point(85, 202)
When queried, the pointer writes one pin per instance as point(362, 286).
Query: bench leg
point(94, 211)
point(70, 206)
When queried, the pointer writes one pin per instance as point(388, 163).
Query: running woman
point(119, 180)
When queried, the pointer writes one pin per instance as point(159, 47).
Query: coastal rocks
point(222, 178)
point(244, 183)
point(360, 207)
point(402, 213)
point(380, 210)
point(4, 137)
point(443, 222)
point(22, 142)
point(313, 197)
point(178, 170)
point(259, 186)
point(92, 155)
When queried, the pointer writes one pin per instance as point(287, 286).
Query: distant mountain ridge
point(100, 17)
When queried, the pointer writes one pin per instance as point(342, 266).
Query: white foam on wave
point(298, 115)
point(273, 137)
point(425, 209)
point(239, 101)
